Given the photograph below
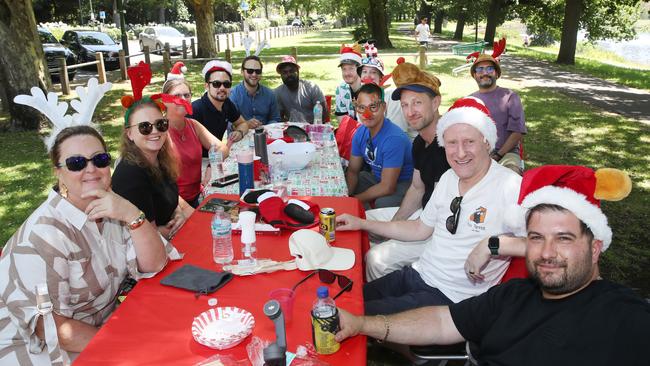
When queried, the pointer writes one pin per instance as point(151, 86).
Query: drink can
point(328, 224)
point(323, 330)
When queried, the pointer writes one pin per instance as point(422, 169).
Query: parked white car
point(156, 37)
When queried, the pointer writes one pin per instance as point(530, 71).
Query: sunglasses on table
point(488, 69)
point(146, 127)
point(251, 71)
point(452, 221)
point(329, 277)
point(217, 84)
point(78, 163)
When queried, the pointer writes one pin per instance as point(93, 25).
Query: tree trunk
point(22, 62)
point(572, 13)
point(378, 24)
point(460, 26)
point(492, 20)
point(266, 9)
point(437, 22)
point(161, 14)
point(204, 14)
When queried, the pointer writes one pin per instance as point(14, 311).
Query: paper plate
point(222, 327)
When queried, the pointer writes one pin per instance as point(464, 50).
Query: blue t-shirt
point(263, 105)
point(391, 149)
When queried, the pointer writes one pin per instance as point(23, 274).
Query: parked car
point(296, 22)
point(156, 37)
point(85, 43)
point(53, 51)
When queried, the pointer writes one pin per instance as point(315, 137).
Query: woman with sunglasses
point(189, 138)
point(61, 271)
point(148, 168)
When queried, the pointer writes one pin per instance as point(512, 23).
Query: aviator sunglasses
point(251, 71)
point(78, 163)
point(146, 127)
point(452, 221)
point(329, 277)
point(217, 84)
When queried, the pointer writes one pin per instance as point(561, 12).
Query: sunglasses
point(183, 95)
point(146, 127)
point(487, 69)
point(217, 84)
point(329, 277)
point(373, 107)
point(370, 148)
point(78, 163)
point(252, 71)
point(452, 221)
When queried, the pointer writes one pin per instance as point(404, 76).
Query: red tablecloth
point(153, 326)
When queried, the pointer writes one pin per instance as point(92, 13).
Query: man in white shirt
point(422, 32)
point(467, 205)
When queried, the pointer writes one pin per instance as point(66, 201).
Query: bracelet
point(386, 326)
point(137, 222)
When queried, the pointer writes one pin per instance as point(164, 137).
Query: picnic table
point(465, 49)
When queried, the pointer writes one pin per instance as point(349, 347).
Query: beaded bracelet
point(137, 222)
point(386, 326)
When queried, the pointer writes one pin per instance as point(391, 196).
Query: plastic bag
point(222, 360)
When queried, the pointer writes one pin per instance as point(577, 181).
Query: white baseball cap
point(313, 252)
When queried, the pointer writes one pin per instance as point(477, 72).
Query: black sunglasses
point(328, 277)
point(78, 163)
point(217, 84)
point(251, 71)
point(452, 221)
point(370, 148)
point(146, 127)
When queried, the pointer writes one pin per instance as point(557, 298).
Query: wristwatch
point(493, 245)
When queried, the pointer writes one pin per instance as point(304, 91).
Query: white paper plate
point(222, 327)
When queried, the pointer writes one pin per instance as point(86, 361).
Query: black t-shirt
point(512, 324)
point(157, 199)
point(431, 162)
point(214, 120)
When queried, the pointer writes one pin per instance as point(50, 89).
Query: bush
point(258, 23)
point(542, 39)
point(188, 29)
point(226, 27)
point(361, 32)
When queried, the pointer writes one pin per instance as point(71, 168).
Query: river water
point(636, 50)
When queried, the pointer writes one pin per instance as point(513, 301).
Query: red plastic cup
point(257, 168)
point(286, 297)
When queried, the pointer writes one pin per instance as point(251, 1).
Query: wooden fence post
point(294, 53)
point(192, 46)
point(233, 39)
point(423, 57)
point(228, 58)
point(167, 62)
point(147, 56)
point(184, 50)
point(63, 77)
point(227, 42)
point(218, 44)
point(101, 71)
point(123, 74)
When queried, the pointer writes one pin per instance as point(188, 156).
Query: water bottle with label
point(216, 162)
point(318, 114)
point(325, 322)
point(222, 251)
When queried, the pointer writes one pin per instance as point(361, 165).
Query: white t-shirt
point(442, 264)
point(423, 32)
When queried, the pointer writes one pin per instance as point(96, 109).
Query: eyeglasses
point(251, 71)
point(452, 221)
point(78, 163)
point(183, 95)
point(373, 107)
point(328, 277)
point(217, 84)
point(146, 127)
point(487, 69)
point(370, 149)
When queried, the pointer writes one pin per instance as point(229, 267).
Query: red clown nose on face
point(367, 114)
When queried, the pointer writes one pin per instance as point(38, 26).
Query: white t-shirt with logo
point(442, 264)
point(423, 31)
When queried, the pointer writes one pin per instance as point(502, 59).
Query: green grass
point(561, 131)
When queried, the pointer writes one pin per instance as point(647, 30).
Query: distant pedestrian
point(422, 32)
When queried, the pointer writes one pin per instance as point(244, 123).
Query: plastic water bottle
point(222, 251)
point(216, 162)
point(325, 322)
point(318, 113)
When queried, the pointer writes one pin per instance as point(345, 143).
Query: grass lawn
point(561, 131)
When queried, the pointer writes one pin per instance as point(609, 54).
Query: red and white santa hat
point(177, 71)
point(471, 111)
point(217, 65)
point(350, 55)
point(576, 188)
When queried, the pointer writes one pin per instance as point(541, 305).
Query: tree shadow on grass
point(582, 135)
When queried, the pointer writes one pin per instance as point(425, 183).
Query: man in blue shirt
point(384, 147)
point(256, 103)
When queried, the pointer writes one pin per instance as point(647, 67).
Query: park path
point(611, 97)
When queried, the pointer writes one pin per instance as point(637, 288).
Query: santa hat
point(350, 55)
point(471, 111)
point(216, 65)
point(478, 57)
point(576, 188)
point(177, 71)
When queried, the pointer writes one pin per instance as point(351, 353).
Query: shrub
point(188, 29)
point(258, 23)
point(227, 27)
point(361, 32)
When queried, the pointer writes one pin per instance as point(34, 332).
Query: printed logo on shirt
point(477, 219)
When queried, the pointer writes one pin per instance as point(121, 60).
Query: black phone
point(221, 184)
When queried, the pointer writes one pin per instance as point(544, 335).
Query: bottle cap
point(323, 292)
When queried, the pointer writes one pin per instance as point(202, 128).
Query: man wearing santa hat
point(565, 313)
point(346, 92)
point(466, 206)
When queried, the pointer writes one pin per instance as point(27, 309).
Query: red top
point(189, 149)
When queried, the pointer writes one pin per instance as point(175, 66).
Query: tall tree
point(378, 23)
point(204, 16)
point(496, 14)
point(570, 26)
point(22, 63)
